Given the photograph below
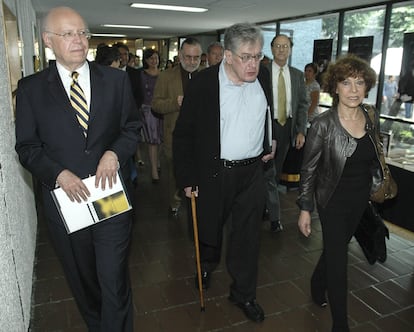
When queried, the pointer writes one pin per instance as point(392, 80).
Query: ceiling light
point(126, 26)
point(107, 35)
point(169, 7)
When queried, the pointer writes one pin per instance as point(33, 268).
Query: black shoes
point(205, 280)
point(276, 226)
point(319, 298)
point(173, 212)
point(251, 309)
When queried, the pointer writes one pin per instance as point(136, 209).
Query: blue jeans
point(408, 110)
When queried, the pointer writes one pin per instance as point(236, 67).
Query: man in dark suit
point(133, 73)
point(58, 150)
point(134, 77)
point(290, 111)
point(220, 142)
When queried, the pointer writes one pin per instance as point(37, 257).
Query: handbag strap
point(370, 110)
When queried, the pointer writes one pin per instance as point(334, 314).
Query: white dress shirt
point(242, 116)
point(83, 80)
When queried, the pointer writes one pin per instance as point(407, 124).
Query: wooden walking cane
point(197, 248)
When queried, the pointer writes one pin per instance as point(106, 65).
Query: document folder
point(101, 205)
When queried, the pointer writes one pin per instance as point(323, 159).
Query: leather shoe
point(319, 299)
point(276, 226)
point(251, 309)
point(173, 212)
point(205, 280)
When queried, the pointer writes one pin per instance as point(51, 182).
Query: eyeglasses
point(282, 46)
point(192, 58)
point(245, 58)
point(71, 35)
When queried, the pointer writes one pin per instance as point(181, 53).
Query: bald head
point(66, 34)
point(55, 14)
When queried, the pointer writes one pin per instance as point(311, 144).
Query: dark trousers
point(173, 191)
point(243, 198)
point(338, 226)
point(284, 141)
point(95, 262)
point(272, 194)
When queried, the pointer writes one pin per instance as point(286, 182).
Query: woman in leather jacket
point(337, 172)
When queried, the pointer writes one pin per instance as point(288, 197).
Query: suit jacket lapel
point(58, 93)
point(97, 89)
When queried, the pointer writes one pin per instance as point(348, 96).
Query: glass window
point(365, 23)
point(269, 31)
point(398, 139)
point(304, 33)
point(401, 26)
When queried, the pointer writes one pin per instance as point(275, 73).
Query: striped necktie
point(281, 99)
point(79, 104)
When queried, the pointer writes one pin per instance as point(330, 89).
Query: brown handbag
point(388, 188)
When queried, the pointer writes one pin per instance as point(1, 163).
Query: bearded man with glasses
point(221, 139)
point(169, 91)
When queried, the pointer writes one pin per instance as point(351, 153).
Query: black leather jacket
point(327, 147)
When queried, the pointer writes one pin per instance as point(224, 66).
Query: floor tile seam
point(182, 305)
point(382, 293)
point(35, 305)
point(366, 273)
point(365, 304)
point(356, 264)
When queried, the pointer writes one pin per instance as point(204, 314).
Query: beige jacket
point(167, 88)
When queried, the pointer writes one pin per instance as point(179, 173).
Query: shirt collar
point(276, 66)
point(224, 79)
point(83, 70)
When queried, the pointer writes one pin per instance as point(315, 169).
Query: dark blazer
point(48, 136)
point(299, 103)
point(135, 78)
point(196, 146)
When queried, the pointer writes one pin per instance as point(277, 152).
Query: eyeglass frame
point(245, 58)
point(71, 35)
point(281, 46)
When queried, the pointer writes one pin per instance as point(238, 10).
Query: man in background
point(169, 92)
point(133, 75)
point(290, 111)
point(215, 52)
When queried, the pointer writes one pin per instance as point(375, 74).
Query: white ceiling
point(220, 14)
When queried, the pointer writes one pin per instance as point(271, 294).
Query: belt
point(238, 163)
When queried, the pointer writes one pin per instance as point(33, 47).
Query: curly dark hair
point(347, 66)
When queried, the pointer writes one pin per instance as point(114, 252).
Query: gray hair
point(242, 33)
point(190, 41)
point(214, 44)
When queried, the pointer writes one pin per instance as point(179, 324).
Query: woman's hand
point(304, 222)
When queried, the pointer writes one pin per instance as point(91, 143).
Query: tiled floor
point(162, 268)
